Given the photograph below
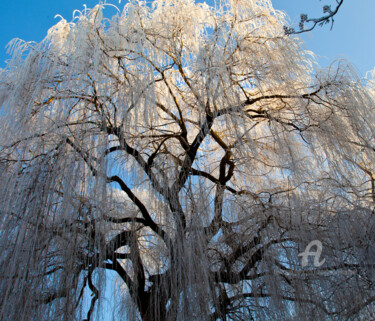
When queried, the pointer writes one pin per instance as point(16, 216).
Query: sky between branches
point(352, 36)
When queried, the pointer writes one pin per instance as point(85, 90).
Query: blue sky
point(352, 36)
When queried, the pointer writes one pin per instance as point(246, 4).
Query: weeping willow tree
point(175, 160)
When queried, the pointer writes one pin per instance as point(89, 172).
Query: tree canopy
point(194, 151)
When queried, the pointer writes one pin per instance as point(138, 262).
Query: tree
point(195, 152)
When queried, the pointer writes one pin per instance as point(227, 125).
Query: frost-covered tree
point(175, 160)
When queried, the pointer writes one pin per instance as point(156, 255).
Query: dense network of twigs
point(170, 163)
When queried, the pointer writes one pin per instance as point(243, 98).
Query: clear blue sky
point(352, 37)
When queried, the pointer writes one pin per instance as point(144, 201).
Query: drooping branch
point(262, 294)
point(84, 156)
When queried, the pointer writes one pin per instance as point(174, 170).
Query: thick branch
point(263, 113)
point(148, 221)
point(95, 296)
point(192, 152)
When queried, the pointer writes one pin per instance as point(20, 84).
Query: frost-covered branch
point(313, 22)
